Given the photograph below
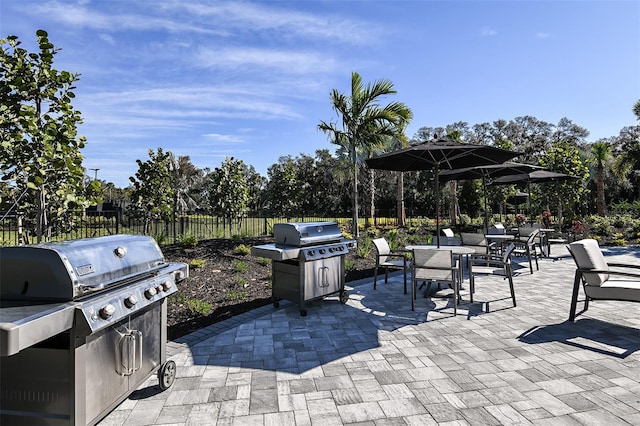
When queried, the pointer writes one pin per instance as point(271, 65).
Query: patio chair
point(385, 259)
point(529, 248)
point(493, 265)
point(434, 265)
point(476, 241)
point(599, 281)
point(496, 229)
point(448, 238)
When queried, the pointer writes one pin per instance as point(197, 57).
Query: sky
point(251, 79)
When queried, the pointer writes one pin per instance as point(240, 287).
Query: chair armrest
point(623, 265)
point(398, 255)
point(610, 272)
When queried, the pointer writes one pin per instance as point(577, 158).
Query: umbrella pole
point(486, 213)
point(437, 205)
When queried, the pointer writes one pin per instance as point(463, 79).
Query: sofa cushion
point(587, 255)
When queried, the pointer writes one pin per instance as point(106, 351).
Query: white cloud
point(288, 61)
point(223, 139)
point(543, 35)
point(488, 32)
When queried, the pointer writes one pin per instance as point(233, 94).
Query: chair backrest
point(532, 236)
point(506, 255)
point(587, 255)
point(473, 239)
point(382, 246)
point(434, 264)
point(497, 229)
point(447, 232)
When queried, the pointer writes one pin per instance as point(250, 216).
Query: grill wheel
point(167, 375)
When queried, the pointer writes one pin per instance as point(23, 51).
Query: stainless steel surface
point(308, 261)
point(24, 326)
point(73, 361)
point(281, 252)
point(68, 270)
point(300, 234)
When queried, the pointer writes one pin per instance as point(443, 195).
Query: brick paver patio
point(374, 361)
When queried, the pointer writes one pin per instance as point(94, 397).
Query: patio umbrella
point(536, 176)
point(486, 173)
point(439, 154)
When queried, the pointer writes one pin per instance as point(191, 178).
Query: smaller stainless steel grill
point(307, 261)
point(82, 324)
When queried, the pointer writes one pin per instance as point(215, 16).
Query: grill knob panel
point(150, 292)
point(107, 311)
point(130, 301)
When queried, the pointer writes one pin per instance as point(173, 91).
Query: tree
point(601, 159)
point(40, 147)
point(564, 157)
point(184, 175)
point(283, 189)
point(229, 191)
point(636, 109)
point(364, 124)
point(152, 194)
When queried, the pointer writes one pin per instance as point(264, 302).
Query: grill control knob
point(322, 251)
point(107, 311)
point(166, 286)
point(150, 292)
point(331, 249)
point(131, 301)
point(311, 253)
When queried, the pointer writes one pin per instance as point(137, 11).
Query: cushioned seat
point(601, 280)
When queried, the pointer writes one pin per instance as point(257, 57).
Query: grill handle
point(130, 352)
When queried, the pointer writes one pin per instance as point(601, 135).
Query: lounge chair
point(599, 280)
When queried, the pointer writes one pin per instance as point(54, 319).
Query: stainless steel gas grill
point(307, 261)
point(82, 324)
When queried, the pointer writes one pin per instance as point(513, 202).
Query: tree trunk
point(41, 221)
point(400, 212)
point(354, 203)
point(453, 202)
point(602, 208)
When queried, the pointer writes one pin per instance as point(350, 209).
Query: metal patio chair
point(493, 265)
point(385, 259)
point(599, 281)
point(434, 265)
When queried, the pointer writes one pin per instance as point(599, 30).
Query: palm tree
point(364, 124)
point(601, 159)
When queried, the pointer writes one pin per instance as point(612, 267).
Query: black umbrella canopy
point(536, 176)
point(440, 154)
point(486, 173)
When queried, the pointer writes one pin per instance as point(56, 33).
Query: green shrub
point(349, 265)
point(188, 240)
point(199, 306)
point(243, 249)
point(197, 263)
point(236, 295)
point(365, 245)
point(264, 261)
point(241, 281)
point(240, 266)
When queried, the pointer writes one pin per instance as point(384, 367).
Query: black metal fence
point(198, 227)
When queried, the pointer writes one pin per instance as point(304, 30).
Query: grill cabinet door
point(322, 277)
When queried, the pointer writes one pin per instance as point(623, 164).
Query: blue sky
point(251, 80)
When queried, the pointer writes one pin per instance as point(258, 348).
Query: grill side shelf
point(25, 326)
